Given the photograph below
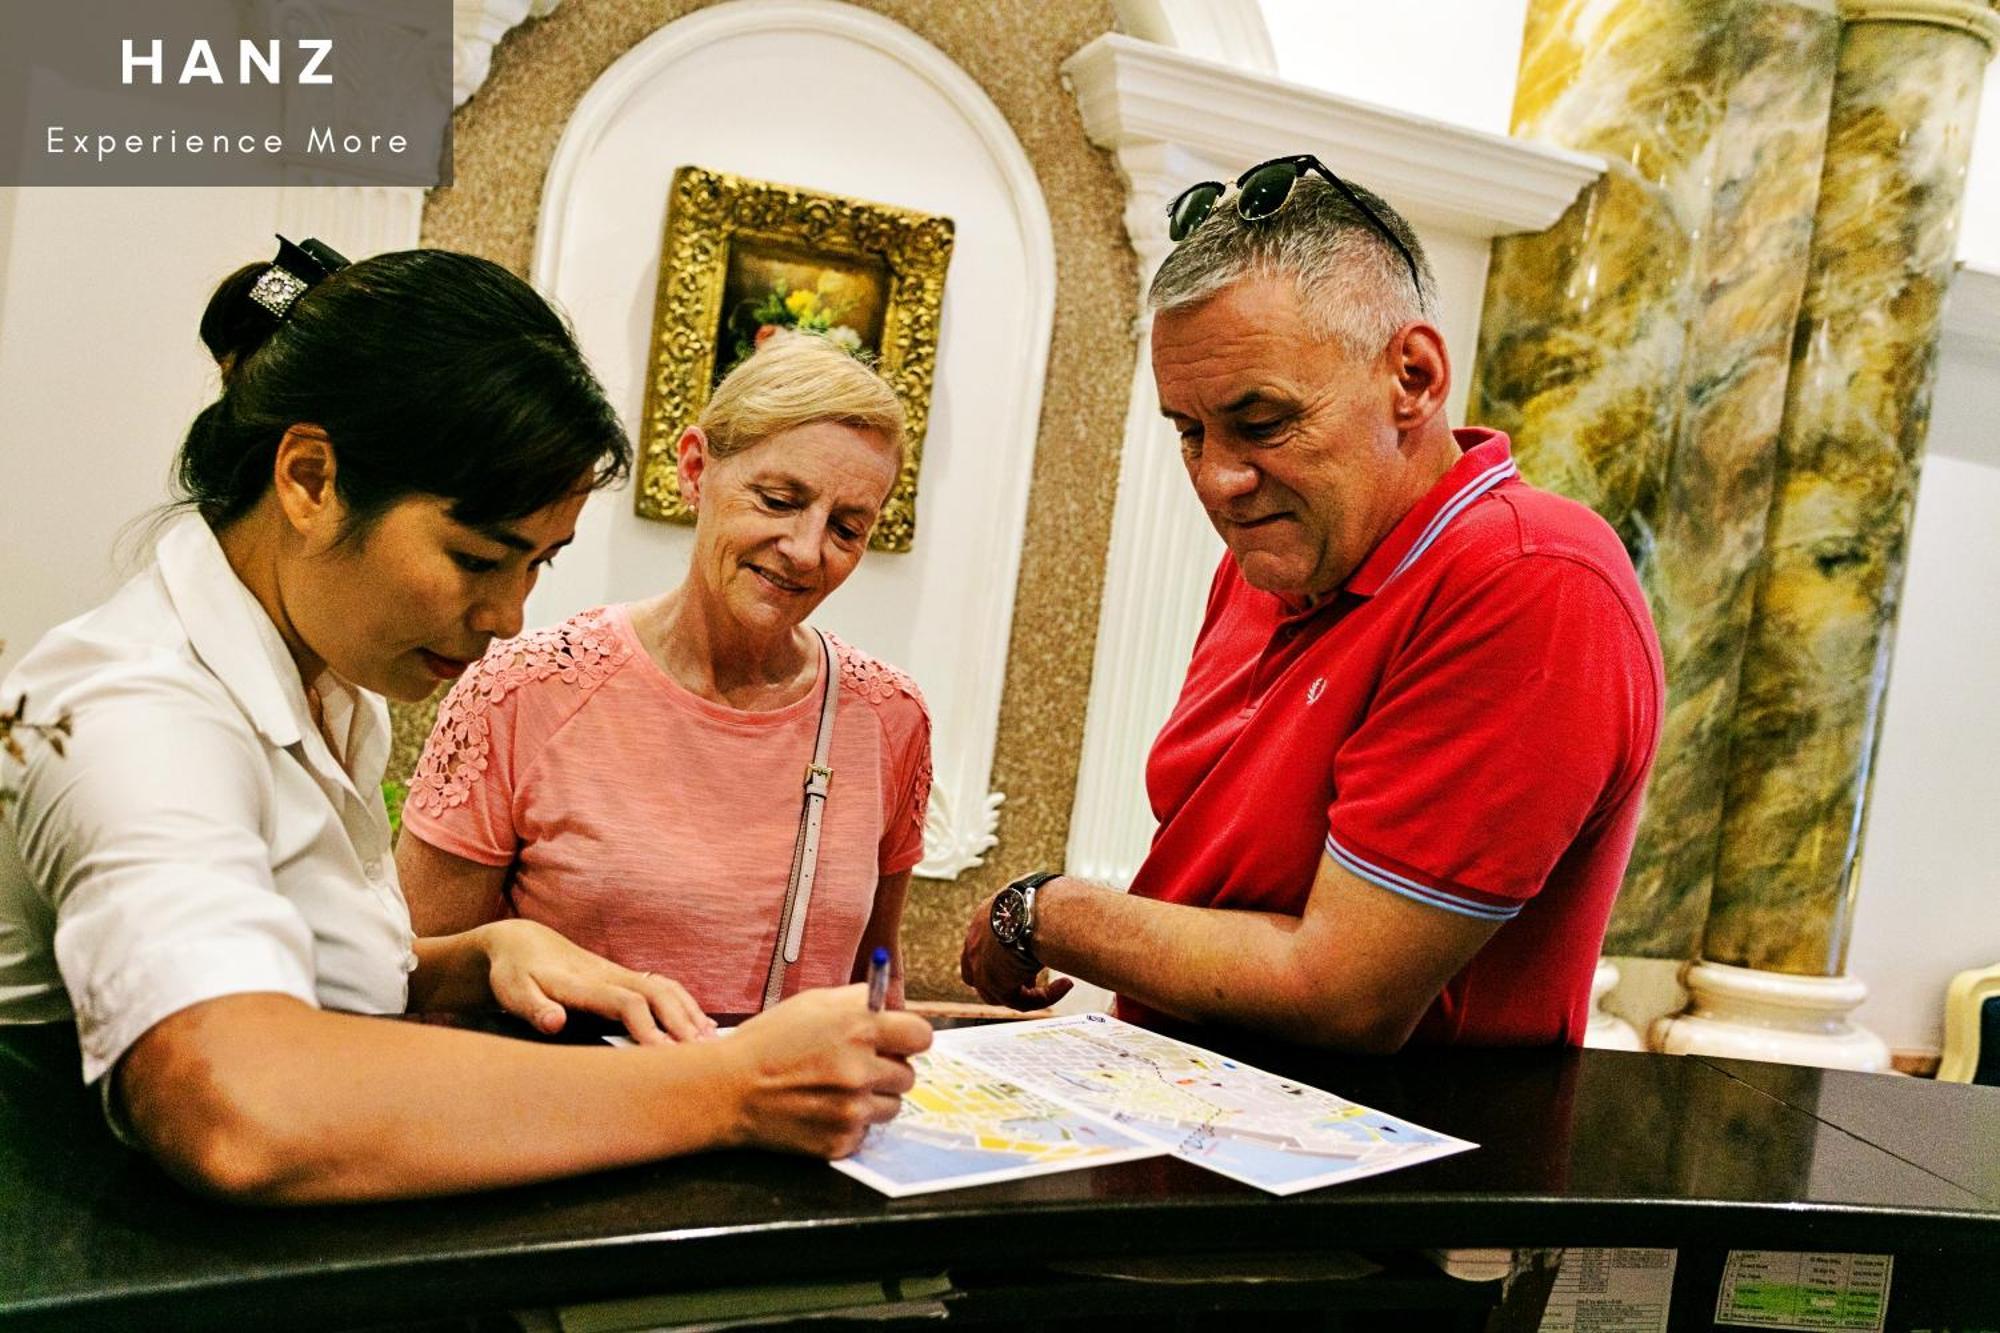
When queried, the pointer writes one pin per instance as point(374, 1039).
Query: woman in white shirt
point(203, 883)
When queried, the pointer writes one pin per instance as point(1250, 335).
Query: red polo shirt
point(1469, 723)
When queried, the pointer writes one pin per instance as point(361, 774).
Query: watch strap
point(1026, 886)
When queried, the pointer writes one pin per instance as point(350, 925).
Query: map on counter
point(965, 1125)
point(1018, 1099)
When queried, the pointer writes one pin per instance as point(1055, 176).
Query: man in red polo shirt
point(1400, 787)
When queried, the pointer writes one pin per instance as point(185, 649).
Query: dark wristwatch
point(1013, 916)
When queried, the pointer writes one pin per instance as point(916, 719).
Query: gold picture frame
point(731, 241)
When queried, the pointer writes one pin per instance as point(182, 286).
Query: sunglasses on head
point(1262, 191)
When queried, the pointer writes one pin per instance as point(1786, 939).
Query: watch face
point(1009, 921)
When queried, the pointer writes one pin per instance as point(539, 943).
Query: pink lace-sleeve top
point(655, 827)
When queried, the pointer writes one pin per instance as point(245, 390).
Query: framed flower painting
point(744, 258)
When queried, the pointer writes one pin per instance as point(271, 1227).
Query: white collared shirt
point(200, 838)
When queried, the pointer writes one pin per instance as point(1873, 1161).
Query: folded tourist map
point(1013, 1100)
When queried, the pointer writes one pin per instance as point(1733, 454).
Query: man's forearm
point(1195, 963)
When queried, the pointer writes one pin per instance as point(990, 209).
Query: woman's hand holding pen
point(537, 975)
point(817, 1070)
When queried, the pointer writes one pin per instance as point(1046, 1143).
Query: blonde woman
point(632, 777)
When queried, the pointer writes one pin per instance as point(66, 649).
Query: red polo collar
point(1487, 462)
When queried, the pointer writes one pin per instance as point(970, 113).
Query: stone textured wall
point(504, 138)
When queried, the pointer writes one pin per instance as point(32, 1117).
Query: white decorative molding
point(357, 220)
point(1459, 179)
point(1156, 571)
point(476, 28)
point(1972, 315)
point(943, 612)
point(954, 843)
point(1233, 31)
point(1173, 118)
point(1749, 1014)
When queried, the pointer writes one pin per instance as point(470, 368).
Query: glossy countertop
point(1576, 1148)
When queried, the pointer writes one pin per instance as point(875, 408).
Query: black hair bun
point(430, 372)
point(240, 317)
point(233, 326)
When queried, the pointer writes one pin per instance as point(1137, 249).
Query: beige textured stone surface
point(1856, 414)
point(504, 138)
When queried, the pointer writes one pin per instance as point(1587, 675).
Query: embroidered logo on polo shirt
point(1314, 691)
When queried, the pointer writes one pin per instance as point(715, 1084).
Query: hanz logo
point(1315, 690)
point(266, 60)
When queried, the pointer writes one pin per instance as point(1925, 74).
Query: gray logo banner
point(225, 92)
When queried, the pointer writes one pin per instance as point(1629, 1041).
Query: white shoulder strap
point(805, 851)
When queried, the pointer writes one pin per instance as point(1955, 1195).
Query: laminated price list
point(1781, 1289)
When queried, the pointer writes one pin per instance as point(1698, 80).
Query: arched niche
point(836, 99)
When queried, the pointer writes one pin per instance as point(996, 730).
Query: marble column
point(1638, 351)
point(1584, 325)
point(1803, 737)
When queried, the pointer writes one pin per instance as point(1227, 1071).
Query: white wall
point(101, 369)
point(1451, 60)
point(1979, 233)
point(1929, 902)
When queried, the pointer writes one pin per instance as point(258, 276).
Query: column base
point(1748, 1014)
point(1606, 1031)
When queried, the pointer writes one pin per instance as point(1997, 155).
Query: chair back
point(1972, 1028)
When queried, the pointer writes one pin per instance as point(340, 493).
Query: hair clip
point(295, 271)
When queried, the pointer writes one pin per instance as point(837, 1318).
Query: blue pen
point(878, 980)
